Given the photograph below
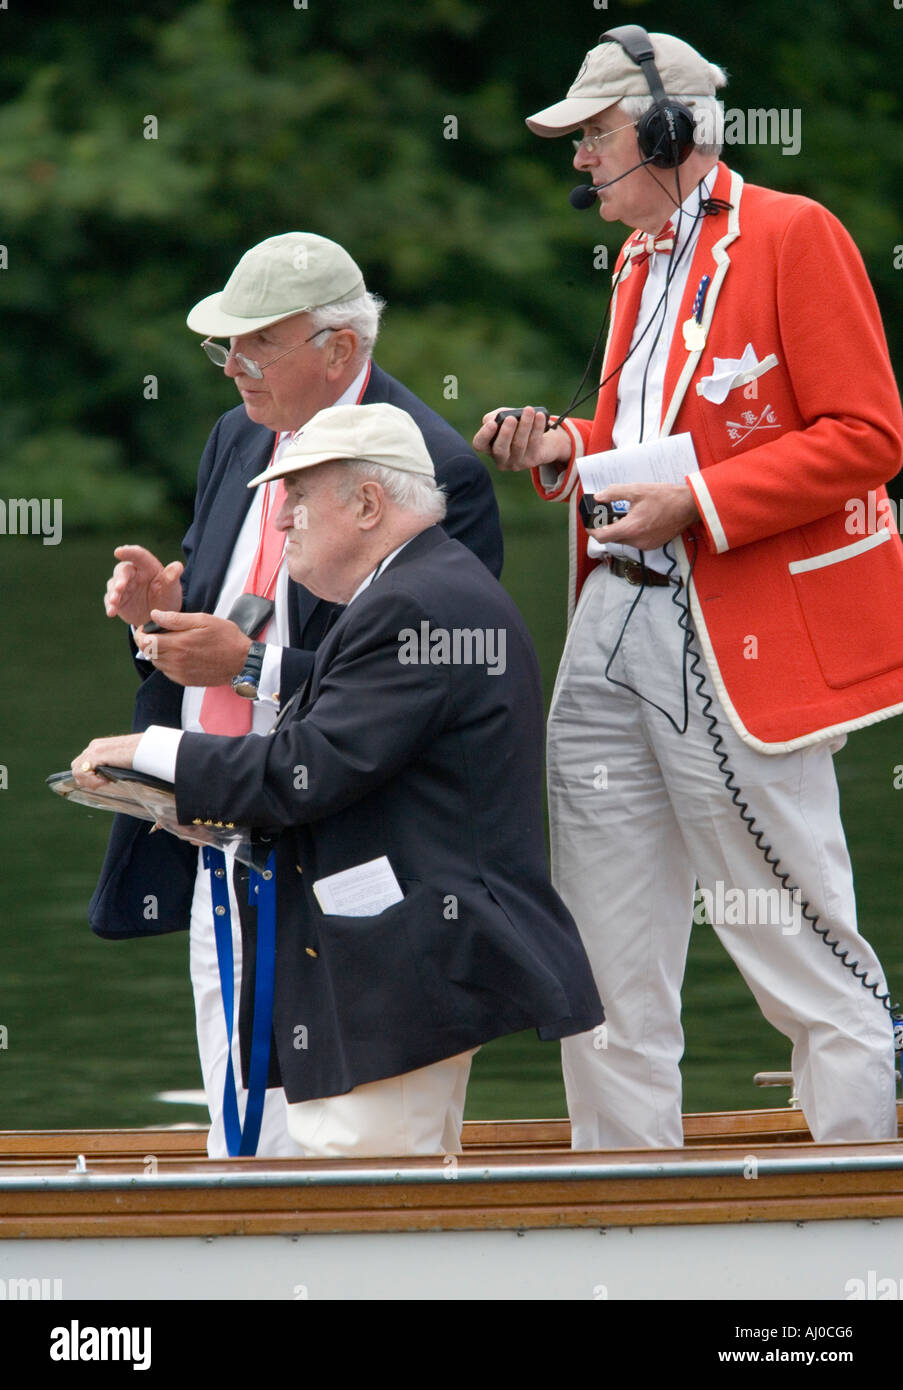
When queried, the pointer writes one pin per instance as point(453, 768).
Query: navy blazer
point(147, 881)
point(436, 764)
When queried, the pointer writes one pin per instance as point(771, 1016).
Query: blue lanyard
point(262, 888)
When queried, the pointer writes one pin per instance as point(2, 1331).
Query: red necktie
point(222, 711)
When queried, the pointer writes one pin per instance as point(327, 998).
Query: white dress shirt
point(641, 383)
point(276, 633)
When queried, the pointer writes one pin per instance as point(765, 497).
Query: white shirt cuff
point(550, 476)
point(270, 674)
point(157, 752)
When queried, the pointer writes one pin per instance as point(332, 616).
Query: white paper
point(362, 891)
point(667, 460)
point(725, 371)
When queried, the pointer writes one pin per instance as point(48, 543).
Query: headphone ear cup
point(666, 130)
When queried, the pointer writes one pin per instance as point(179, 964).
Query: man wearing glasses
point(733, 625)
point(299, 326)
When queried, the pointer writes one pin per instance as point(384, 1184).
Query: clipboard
point(132, 793)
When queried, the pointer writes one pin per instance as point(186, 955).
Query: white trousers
point(275, 1140)
point(417, 1113)
point(639, 813)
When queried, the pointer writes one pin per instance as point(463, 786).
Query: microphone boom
point(584, 195)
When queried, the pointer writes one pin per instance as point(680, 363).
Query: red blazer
point(797, 590)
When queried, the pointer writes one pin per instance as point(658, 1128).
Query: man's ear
point(340, 351)
point(370, 503)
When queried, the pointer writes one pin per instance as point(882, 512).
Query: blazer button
point(311, 952)
point(298, 867)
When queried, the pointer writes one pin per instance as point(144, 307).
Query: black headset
point(664, 132)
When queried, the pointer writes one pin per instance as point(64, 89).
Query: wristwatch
point(248, 679)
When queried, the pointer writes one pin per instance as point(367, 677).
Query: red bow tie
point(644, 243)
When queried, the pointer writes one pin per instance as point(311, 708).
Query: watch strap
point(247, 681)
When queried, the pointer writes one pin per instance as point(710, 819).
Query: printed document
point(362, 891)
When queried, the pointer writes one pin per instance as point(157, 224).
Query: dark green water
point(94, 1029)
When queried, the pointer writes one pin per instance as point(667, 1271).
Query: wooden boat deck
point(776, 1126)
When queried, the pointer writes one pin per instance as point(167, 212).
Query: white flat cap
point(378, 433)
point(284, 275)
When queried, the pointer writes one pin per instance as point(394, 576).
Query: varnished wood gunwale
point(671, 1187)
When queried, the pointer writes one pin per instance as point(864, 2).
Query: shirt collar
point(353, 389)
point(384, 562)
point(687, 218)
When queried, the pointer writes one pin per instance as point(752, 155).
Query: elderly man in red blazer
point(730, 629)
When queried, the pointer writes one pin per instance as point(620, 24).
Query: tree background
point(334, 118)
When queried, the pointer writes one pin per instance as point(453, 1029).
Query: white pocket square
point(733, 371)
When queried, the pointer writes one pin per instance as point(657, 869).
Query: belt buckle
point(633, 572)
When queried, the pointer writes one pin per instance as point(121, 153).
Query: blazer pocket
point(849, 599)
point(374, 978)
point(744, 378)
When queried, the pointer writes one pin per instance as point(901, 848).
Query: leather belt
point(637, 573)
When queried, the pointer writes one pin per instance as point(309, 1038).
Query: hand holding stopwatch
point(593, 513)
point(503, 415)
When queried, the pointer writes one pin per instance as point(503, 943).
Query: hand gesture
point(139, 583)
point(523, 443)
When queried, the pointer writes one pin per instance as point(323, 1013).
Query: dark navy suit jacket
point(436, 764)
point(154, 874)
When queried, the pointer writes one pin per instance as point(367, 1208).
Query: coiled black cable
point(749, 820)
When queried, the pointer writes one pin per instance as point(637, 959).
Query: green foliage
point(143, 150)
point(88, 473)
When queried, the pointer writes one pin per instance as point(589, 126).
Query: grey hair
point(707, 115)
point(413, 492)
point(362, 315)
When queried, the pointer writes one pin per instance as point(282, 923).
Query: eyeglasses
point(219, 354)
point(590, 142)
